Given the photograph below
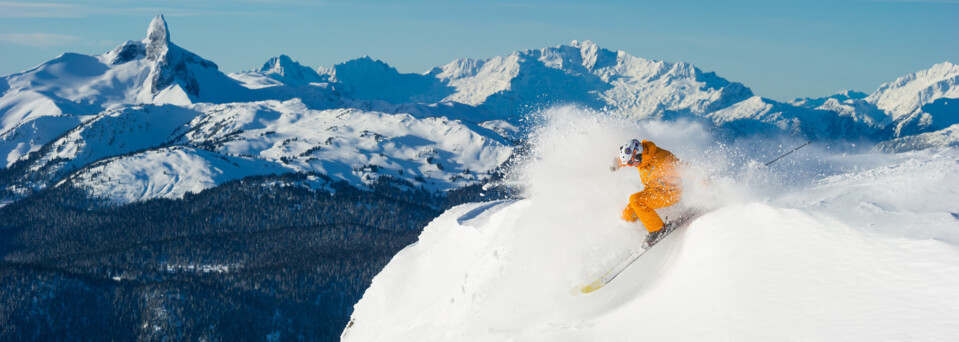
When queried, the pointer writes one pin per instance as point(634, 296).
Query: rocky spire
point(164, 71)
point(158, 38)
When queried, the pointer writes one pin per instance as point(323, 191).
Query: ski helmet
point(630, 151)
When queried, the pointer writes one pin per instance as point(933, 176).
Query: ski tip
point(591, 287)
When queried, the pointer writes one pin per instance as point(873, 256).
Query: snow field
point(173, 172)
point(833, 247)
point(266, 137)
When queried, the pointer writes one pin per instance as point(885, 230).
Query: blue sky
point(780, 49)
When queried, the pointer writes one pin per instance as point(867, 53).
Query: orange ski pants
point(642, 205)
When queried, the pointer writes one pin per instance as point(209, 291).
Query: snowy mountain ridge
point(64, 115)
point(110, 155)
point(286, 70)
point(912, 104)
point(43, 102)
point(582, 73)
point(909, 93)
point(917, 102)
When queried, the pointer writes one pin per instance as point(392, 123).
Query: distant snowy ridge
point(63, 115)
point(144, 152)
point(923, 101)
point(841, 96)
point(909, 93)
point(279, 69)
point(582, 73)
point(947, 137)
point(45, 101)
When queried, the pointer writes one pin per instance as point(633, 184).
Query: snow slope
point(353, 145)
point(166, 173)
point(947, 137)
point(139, 153)
point(817, 247)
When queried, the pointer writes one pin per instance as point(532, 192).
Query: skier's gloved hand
point(615, 165)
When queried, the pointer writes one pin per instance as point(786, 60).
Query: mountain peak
point(158, 38)
point(172, 65)
point(585, 45)
point(591, 53)
point(285, 69)
point(158, 31)
point(278, 64)
point(366, 64)
point(945, 65)
point(943, 70)
point(909, 93)
point(850, 95)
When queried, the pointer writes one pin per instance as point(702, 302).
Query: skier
point(659, 170)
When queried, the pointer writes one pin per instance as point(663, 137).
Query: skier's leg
point(644, 202)
point(629, 214)
point(646, 214)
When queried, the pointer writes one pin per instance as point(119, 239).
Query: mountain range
point(148, 195)
point(150, 119)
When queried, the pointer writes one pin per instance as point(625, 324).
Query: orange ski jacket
point(659, 168)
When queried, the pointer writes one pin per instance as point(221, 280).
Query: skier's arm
point(615, 165)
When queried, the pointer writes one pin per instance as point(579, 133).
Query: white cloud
point(9, 9)
point(15, 9)
point(38, 39)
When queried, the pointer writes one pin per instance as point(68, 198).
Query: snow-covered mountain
point(841, 96)
point(581, 73)
point(279, 70)
point(946, 137)
point(41, 103)
point(920, 102)
point(820, 247)
point(147, 99)
point(909, 93)
point(369, 79)
point(760, 115)
point(117, 131)
point(150, 151)
point(174, 124)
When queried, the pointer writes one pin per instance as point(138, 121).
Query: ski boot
point(653, 237)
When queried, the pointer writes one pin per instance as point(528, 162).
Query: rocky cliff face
point(171, 64)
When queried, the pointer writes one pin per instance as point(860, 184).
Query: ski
point(670, 227)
